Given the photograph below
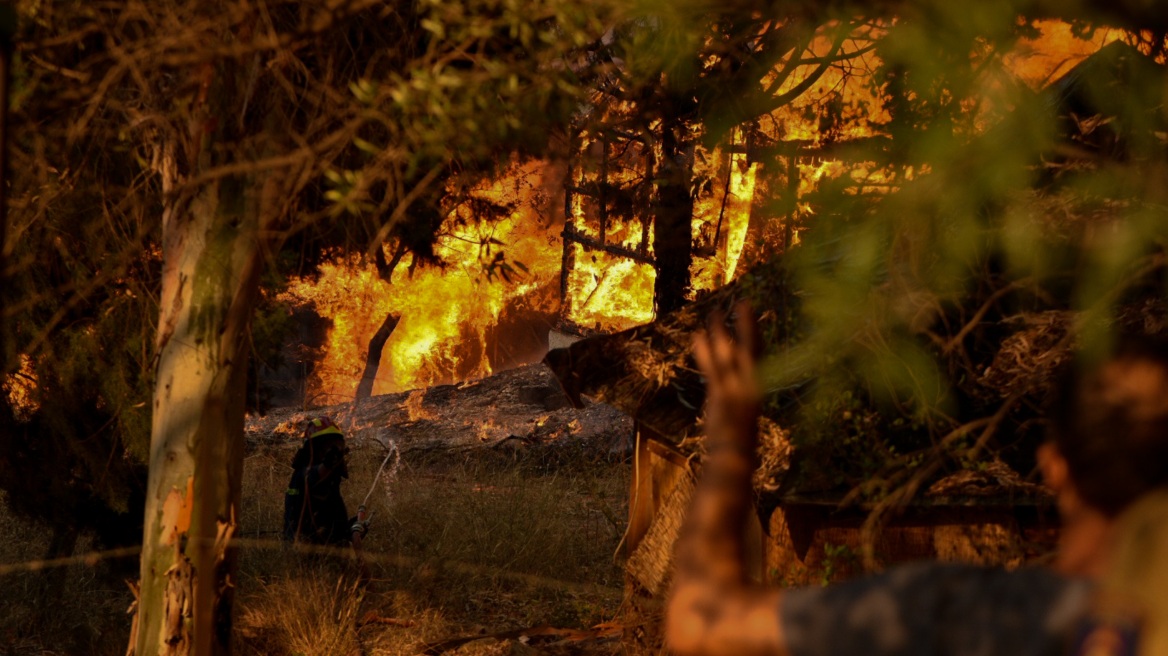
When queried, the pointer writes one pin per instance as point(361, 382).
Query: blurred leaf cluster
point(1022, 223)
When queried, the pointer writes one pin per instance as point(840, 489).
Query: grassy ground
point(458, 546)
point(69, 610)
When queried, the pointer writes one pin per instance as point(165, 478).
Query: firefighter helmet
point(322, 425)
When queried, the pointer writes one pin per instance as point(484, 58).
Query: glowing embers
point(414, 407)
point(21, 389)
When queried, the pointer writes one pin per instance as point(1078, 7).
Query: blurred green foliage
point(1023, 203)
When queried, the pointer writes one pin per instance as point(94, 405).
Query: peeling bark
point(210, 285)
point(214, 238)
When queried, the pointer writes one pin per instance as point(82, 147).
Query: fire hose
point(361, 526)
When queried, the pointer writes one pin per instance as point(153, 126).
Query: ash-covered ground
point(513, 411)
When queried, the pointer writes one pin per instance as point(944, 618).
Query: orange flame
point(1055, 51)
point(609, 293)
point(414, 408)
point(20, 388)
point(446, 313)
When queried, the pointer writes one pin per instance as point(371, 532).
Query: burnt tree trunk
point(672, 233)
point(373, 360)
point(385, 268)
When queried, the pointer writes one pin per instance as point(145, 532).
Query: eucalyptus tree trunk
point(210, 283)
point(213, 245)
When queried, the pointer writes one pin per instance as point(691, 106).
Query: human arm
point(713, 608)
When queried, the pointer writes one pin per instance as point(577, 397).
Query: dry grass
point(80, 609)
point(457, 547)
point(303, 615)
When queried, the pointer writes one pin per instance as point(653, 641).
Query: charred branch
point(603, 187)
point(385, 268)
point(725, 200)
point(798, 90)
point(598, 190)
point(570, 234)
point(863, 149)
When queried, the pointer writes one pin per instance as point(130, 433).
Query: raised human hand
point(732, 393)
point(713, 609)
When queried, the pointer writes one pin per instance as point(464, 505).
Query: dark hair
point(1109, 420)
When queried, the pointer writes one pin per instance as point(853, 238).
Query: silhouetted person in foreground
point(1107, 593)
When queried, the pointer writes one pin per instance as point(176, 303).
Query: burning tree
point(708, 123)
point(712, 123)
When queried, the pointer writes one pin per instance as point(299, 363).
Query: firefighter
point(314, 511)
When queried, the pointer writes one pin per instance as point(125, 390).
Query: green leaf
point(365, 146)
point(435, 27)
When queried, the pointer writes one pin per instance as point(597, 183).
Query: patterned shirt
point(938, 608)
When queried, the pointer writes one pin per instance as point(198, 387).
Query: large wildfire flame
point(446, 313)
point(450, 316)
point(609, 292)
point(606, 292)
